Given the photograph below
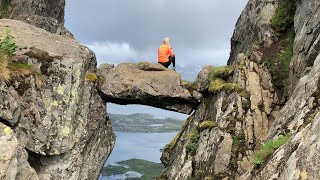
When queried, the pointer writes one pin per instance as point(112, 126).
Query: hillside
point(144, 123)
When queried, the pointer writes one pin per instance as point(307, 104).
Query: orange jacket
point(163, 52)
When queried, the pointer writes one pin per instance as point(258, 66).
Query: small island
point(148, 170)
point(144, 123)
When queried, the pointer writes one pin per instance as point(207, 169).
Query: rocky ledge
point(147, 84)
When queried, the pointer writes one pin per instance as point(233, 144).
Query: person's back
point(165, 54)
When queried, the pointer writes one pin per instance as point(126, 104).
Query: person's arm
point(171, 52)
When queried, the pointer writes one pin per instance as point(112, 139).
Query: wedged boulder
point(62, 121)
point(147, 84)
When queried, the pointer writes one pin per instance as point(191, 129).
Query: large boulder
point(147, 84)
point(45, 14)
point(61, 120)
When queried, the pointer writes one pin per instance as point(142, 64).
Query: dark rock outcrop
point(62, 122)
point(45, 14)
point(147, 84)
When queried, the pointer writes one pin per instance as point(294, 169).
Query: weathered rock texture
point(241, 121)
point(145, 83)
point(252, 27)
point(45, 14)
point(63, 122)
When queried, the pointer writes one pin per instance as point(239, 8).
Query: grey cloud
point(192, 25)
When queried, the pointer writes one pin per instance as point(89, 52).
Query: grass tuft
point(268, 148)
point(22, 70)
point(207, 125)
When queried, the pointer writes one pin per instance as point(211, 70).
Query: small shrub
point(7, 45)
point(190, 86)
point(91, 77)
point(268, 148)
point(207, 125)
point(193, 142)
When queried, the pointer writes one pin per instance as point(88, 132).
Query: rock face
point(62, 122)
point(45, 14)
point(147, 84)
point(239, 122)
point(252, 27)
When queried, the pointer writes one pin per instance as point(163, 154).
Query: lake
point(137, 145)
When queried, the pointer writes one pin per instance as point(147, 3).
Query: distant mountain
point(144, 123)
point(189, 72)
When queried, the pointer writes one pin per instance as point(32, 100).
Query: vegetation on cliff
point(218, 77)
point(268, 148)
point(190, 86)
point(283, 19)
point(193, 144)
point(10, 68)
point(279, 55)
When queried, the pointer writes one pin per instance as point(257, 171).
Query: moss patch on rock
point(219, 85)
point(190, 86)
point(207, 125)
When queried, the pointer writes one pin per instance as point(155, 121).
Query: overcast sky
point(132, 30)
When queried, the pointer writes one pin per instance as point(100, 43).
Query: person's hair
point(166, 40)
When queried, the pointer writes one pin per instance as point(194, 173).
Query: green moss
point(171, 145)
point(221, 72)
point(284, 16)
point(268, 148)
point(4, 9)
point(219, 85)
point(91, 77)
point(207, 125)
point(190, 86)
point(193, 144)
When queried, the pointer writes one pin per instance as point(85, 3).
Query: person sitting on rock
point(166, 55)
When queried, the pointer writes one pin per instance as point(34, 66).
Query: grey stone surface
point(147, 84)
point(63, 122)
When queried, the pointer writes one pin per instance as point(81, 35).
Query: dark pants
point(171, 60)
